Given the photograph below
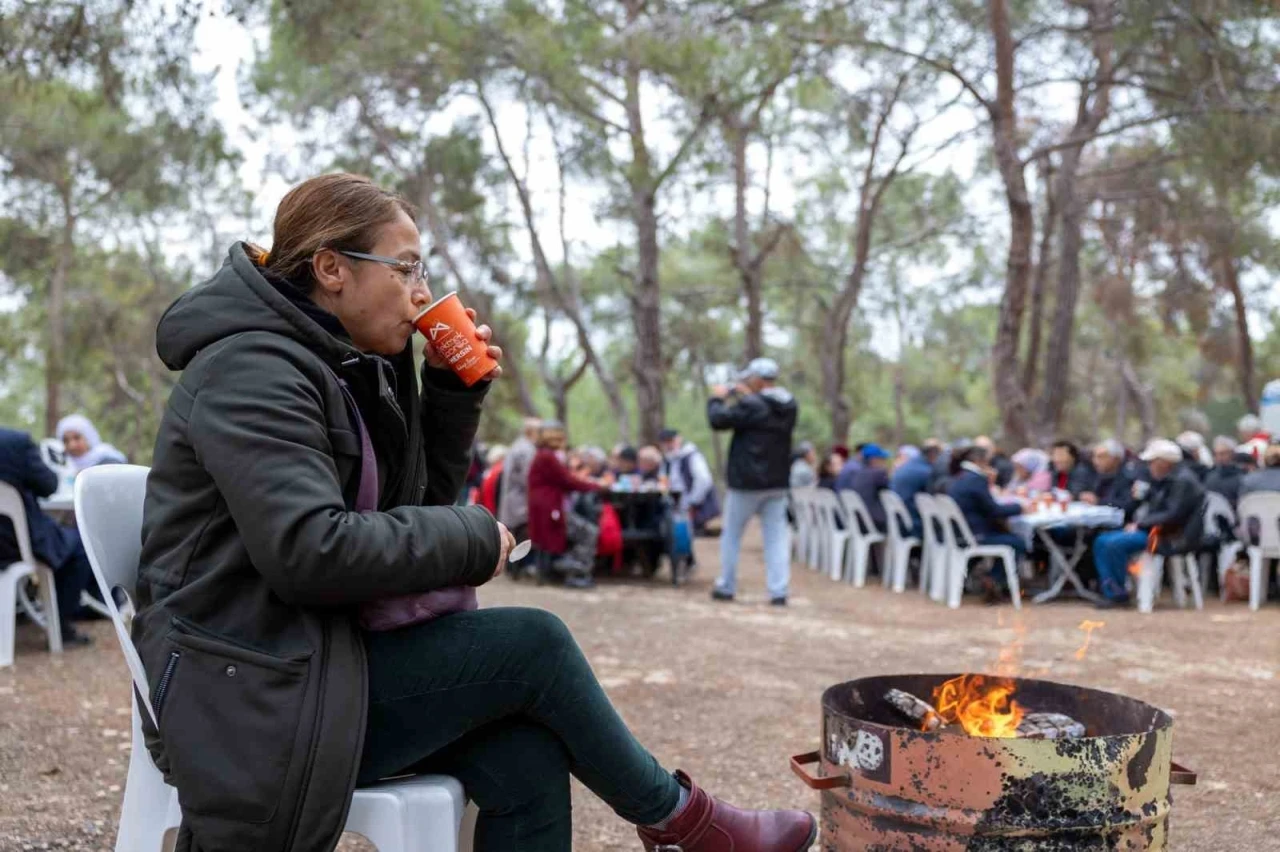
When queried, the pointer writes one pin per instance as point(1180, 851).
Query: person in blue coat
point(971, 489)
point(57, 546)
point(911, 477)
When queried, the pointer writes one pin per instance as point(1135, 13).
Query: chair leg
point(1178, 580)
point(1193, 577)
point(1257, 578)
point(9, 579)
point(862, 559)
point(49, 600)
point(1148, 581)
point(958, 568)
point(1011, 573)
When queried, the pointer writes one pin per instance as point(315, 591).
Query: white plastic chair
point(12, 575)
point(832, 539)
point(803, 527)
point(1263, 507)
point(935, 557)
point(863, 534)
point(963, 547)
point(898, 545)
point(1220, 517)
point(1186, 576)
point(419, 814)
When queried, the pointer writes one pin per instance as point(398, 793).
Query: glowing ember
point(981, 705)
point(1088, 627)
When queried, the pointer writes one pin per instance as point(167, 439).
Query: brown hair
point(335, 211)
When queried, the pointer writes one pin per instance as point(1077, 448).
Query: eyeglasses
point(415, 271)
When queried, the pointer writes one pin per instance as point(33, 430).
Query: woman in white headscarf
point(83, 444)
point(1030, 471)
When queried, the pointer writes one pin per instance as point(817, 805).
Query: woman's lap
point(433, 684)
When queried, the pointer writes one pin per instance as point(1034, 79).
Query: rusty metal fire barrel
point(886, 786)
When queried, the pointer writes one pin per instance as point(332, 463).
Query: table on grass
point(1076, 520)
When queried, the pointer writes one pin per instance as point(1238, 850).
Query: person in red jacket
point(553, 527)
point(491, 485)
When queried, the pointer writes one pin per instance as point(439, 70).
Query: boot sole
point(813, 834)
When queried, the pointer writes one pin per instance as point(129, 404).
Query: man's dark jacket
point(1175, 504)
point(21, 467)
point(252, 564)
point(1115, 489)
point(972, 493)
point(762, 423)
point(867, 484)
point(1225, 479)
point(1079, 479)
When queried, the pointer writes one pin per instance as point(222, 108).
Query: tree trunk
point(748, 271)
point(1004, 128)
point(1248, 382)
point(646, 311)
point(1043, 262)
point(1057, 368)
point(55, 351)
point(1142, 397)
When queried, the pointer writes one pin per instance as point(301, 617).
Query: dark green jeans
point(504, 701)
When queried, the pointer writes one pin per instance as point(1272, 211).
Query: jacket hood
point(686, 449)
point(778, 396)
point(235, 300)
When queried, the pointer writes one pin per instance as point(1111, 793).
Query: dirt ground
point(728, 691)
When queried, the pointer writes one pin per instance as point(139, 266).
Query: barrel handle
point(816, 782)
point(1179, 774)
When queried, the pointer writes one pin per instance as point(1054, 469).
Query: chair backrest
point(956, 526)
point(12, 507)
point(828, 508)
point(1219, 517)
point(860, 518)
point(930, 520)
point(1264, 507)
point(895, 510)
point(109, 502)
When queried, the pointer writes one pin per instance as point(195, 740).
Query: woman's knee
point(538, 628)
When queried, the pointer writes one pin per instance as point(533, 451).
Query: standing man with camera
point(762, 416)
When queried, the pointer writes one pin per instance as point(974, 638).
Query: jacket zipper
point(315, 736)
point(163, 686)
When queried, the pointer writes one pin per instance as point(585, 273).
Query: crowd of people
point(1160, 490)
point(553, 495)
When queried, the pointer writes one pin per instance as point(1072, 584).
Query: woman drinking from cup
point(301, 476)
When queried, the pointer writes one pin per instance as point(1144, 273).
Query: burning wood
point(916, 709)
point(1049, 726)
point(982, 709)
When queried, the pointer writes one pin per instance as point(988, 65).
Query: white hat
point(1164, 449)
point(761, 368)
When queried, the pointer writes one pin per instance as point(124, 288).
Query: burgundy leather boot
point(709, 825)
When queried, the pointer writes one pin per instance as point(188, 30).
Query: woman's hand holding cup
point(506, 542)
point(482, 335)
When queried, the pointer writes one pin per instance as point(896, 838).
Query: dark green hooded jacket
point(252, 565)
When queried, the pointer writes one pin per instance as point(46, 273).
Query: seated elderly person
point(911, 476)
point(1067, 472)
point(1170, 507)
point(649, 463)
point(996, 460)
point(804, 466)
point(1267, 478)
point(84, 447)
point(1112, 486)
point(1225, 476)
point(1194, 453)
point(1030, 471)
point(870, 480)
point(971, 489)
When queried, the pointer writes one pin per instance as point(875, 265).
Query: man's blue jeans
point(771, 506)
point(1111, 554)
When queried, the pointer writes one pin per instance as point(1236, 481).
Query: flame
point(1088, 627)
point(982, 705)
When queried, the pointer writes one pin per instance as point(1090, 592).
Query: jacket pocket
point(228, 717)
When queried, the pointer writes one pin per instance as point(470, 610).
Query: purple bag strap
point(367, 494)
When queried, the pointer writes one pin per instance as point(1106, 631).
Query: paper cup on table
point(445, 323)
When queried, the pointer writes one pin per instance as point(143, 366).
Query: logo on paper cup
point(437, 329)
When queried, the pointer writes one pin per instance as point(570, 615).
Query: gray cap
point(761, 368)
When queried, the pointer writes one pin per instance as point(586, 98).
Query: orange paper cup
point(445, 323)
